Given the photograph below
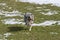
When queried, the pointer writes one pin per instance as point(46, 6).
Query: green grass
point(38, 33)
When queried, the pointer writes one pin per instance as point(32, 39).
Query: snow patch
point(46, 9)
point(5, 36)
point(10, 14)
point(10, 7)
point(12, 21)
point(45, 23)
point(49, 13)
point(41, 9)
point(8, 34)
point(17, 21)
point(2, 4)
point(58, 22)
point(53, 33)
point(54, 2)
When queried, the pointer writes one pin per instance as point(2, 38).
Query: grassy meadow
point(21, 31)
